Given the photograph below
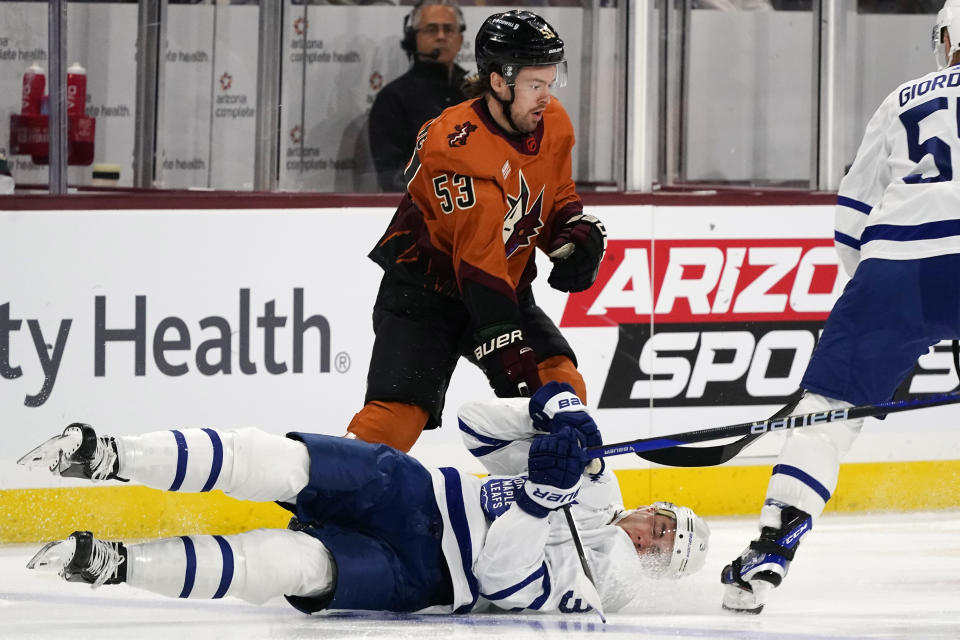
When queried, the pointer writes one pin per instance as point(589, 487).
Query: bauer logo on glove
point(545, 494)
point(499, 342)
point(507, 360)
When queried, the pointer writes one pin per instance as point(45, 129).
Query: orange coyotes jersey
point(479, 201)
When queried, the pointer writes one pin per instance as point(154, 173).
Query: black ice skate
point(83, 558)
point(764, 563)
point(77, 453)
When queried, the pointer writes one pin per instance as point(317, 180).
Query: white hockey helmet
point(948, 18)
point(690, 543)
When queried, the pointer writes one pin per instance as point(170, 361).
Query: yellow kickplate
point(873, 486)
point(124, 512)
point(29, 515)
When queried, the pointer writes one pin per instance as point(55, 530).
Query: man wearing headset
point(432, 36)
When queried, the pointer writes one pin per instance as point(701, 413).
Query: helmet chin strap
point(506, 106)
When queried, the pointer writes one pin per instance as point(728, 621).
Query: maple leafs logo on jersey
point(461, 131)
point(522, 222)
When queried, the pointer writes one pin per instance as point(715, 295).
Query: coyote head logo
point(522, 222)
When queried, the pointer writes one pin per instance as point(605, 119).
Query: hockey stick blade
point(773, 425)
point(716, 454)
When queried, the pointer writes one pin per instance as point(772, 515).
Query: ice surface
point(856, 576)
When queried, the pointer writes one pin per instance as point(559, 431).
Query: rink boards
point(148, 319)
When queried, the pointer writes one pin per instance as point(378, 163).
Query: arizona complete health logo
point(300, 26)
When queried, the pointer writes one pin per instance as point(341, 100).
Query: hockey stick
point(585, 583)
point(588, 588)
point(753, 430)
point(717, 454)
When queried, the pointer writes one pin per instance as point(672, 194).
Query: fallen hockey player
point(378, 530)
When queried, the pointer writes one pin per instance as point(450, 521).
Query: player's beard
point(525, 122)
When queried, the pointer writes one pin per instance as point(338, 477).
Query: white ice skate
point(83, 558)
point(77, 453)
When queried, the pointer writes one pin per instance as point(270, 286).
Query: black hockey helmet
point(508, 41)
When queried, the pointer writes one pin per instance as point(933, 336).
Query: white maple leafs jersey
point(901, 198)
point(521, 561)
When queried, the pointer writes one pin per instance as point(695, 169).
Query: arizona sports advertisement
point(728, 321)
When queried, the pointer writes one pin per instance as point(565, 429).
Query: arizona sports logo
point(722, 322)
point(522, 222)
point(735, 320)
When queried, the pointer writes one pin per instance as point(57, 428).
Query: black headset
point(409, 42)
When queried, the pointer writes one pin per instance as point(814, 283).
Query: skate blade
point(738, 600)
point(53, 556)
point(749, 612)
point(50, 454)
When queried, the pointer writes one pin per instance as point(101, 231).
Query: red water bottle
point(76, 90)
point(34, 82)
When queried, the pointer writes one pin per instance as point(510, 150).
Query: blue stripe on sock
point(217, 464)
point(191, 573)
point(182, 455)
point(803, 477)
point(227, 576)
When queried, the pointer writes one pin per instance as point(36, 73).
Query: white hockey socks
point(254, 566)
point(805, 474)
point(247, 464)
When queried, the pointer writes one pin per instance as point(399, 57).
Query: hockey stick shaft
point(590, 589)
point(773, 425)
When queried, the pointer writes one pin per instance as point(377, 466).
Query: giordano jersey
point(478, 202)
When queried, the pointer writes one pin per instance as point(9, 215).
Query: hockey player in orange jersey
point(489, 181)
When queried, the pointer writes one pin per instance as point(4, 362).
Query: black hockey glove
point(508, 361)
point(576, 252)
point(555, 464)
point(555, 406)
